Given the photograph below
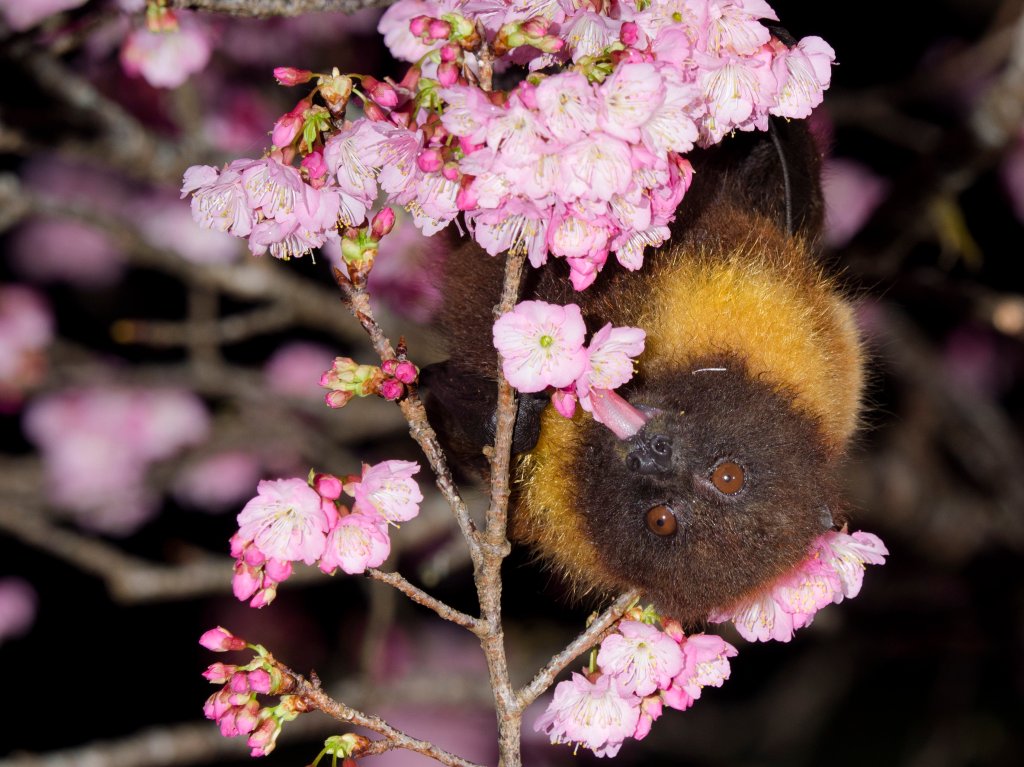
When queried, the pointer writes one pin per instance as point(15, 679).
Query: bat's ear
point(461, 407)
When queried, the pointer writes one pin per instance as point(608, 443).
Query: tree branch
point(265, 8)
point(592, 636)
point(314, 696)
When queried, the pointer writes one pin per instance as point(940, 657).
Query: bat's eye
point(727, 478)
point(661, 520)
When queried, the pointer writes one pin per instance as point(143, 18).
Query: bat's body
point(752, 377)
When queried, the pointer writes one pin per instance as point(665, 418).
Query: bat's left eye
point(661, 520)
point(727, 477)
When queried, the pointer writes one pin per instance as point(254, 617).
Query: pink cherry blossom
point(516, 227)
point(596, 167)
point(706, 663)
point(387, 489)
point(846, 555)
point(359, 541)
point(641, 657)
point(803, 74)
point(759, 620)
point(541, 345)
point(568, 106)
point(219, 199)
point(733, 25)
point(609, 360)
point(285, 521)
point(629, 98)
point(598, 715)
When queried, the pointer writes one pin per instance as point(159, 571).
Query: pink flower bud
point(219, 673)
point(450, 52)
point(451, 171)
point(388, 367)
point(221, 640)
point(383, 222)
point(439, 29)
point(239, 683)
point(419, 26)
point(429, 161)
point(327, 486)
point(406, 372)
point(465, 199)
point(277, 570)
point(629, 33)
point(259, 681)
point(380, 92)
point(245, 582)
point(291, 76)
point(264, 737)
point(447, 73)
point(287, 128)
point(391, 389)
point(336, 399)
point(468, 147)
point(314, 169)
point(263, 597)
point(374, 112)
point(535, 27)
point(330, 510)
point(247, 717)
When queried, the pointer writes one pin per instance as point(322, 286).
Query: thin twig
point(224, 330)
point(420, 597)
point(314, 696)
point(358, 301)
point(592, 636)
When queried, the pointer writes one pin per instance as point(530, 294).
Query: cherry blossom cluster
point(235, 706)
point(637, 671)
point(577, 163)
point(293, 520)
point(26, 329)
point(541, 346)
point(833, 571)
point(347, 379)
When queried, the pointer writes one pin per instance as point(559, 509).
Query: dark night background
point(923, 668)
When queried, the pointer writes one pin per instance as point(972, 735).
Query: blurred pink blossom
point(219, 482)
point(24, 14)
point(852, 192)
point(167, 59)
point(64, 250)
point(17, 608)
point(97, 445)
point(294, 369)
point(26, 329)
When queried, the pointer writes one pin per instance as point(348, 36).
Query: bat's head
point(722, 490)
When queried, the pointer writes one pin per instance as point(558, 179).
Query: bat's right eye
point(661, 520)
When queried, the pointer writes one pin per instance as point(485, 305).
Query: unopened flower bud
point(382, 223)
point(629, 33)
point(450, 52)
point(465, 199)
point(289, 125)
point(314, 169)
point(291, 76)
point(327, 486)
point(439, 29)
point(258, 681)
point(448, 73)
point(420, 26)
point(429, 160)
point(352, 378)
point(382, 93)
point(406, 372)
point(451, 171)
point(536, 27)
point(221, 640)
point(391, 389)
point(264, 736)
point(219, 673)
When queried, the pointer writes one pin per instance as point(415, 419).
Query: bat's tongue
point(614, 412)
